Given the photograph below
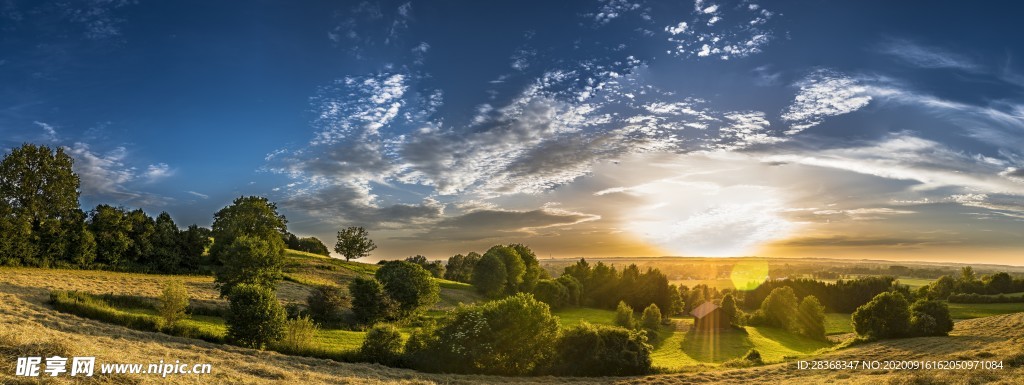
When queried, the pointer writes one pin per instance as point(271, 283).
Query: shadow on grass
point(716, 346)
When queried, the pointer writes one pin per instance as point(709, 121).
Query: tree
point(729, 310)
point(489, 276)
point(111, 228)
point(460, 267)
point(436, 268)
point(166, 243)
point(39, 213)
point(573, 288)
point(255, 318)
point(251, 216)
point(141, 234)
point(930, 318)
point(514, 267)
point(624, 316)
point(326, 303)
point(172, 303)
point(999, 283)
point(383, 345)
point(532, 273)
point(194, 242)
point(370, 304)
point(250, 260)
point(589, 350)
point(37, 184)
point(967, 274)
point(942, 287)
point(651, 318)
point(780, 308)
point(810, 318)
point(885, 316)
point(510, 336)
point(409, 285)
point(353, 243)
point(551, 292)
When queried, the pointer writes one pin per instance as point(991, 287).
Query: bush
point(173, 302)
point(299, 336)
point(489, 276)
point(886, 316)
point(511, 336)
point(753, 356)
point(383, 345)
point(552, 293)
point(326, 304)
point(369, 302)
point(255, 317)
point(651, 318)
point(930, 318)
point(409, 285)
point(588, 350)
point(624, 316)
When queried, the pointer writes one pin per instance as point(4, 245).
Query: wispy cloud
point(926, 57)
point(106, 176)
point(200, 195)
point(50, 132)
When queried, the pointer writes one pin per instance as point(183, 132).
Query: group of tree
point(843, 296)
point(890, 315)
point(436, 268)
point(306, 244)
point(398, 290)
point(460, 267)
point(782, 309)
point(42, 225)
point(603, 286)
point(968, 287)
point(518, 335)
point(505, 270)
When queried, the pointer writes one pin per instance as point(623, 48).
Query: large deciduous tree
point(353, 243)
point(248, 243)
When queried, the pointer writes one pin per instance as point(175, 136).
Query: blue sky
point(583, 128)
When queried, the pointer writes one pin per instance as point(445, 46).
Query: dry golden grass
point(28, 327)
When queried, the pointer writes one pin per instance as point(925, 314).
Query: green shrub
point(780, 308)
point(383, 345)
point(753, 356)
point(573, 287)
point(92, 307)
point(299, 336)
point(173, 303)
point(886, 316)
point(651, 318)
point(326, 304)
point(930, 318)
point(412, 288)
point(370, 304)
point(624, 316)
point(588, 350)
point(256, 318)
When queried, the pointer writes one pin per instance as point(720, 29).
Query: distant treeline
point(843, 296)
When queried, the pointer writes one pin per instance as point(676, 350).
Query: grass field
point(28, 326)
point(978, 310)
point(838, 323)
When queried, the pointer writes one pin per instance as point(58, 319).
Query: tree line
point(42, 225)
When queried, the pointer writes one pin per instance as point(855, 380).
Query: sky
point(599, 128)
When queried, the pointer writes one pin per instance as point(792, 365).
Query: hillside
point(29, 327)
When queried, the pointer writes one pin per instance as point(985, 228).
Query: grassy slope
point(978, 310)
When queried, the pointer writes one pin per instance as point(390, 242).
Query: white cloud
point(824, 93)
point(611, 10)
point(158, 171)
point(200, 195)
point(715, 32)
point(106, 176)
